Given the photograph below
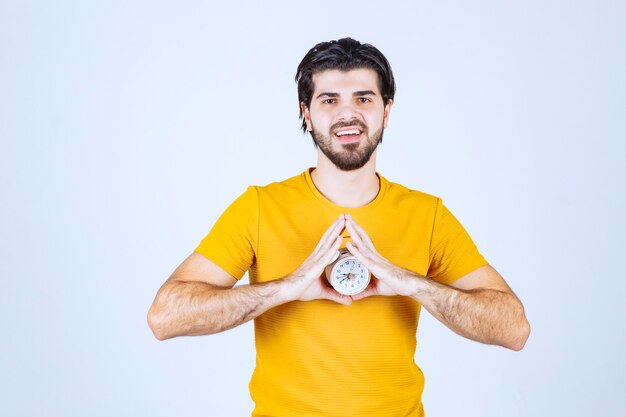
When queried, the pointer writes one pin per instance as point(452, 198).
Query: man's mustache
point(349, 123)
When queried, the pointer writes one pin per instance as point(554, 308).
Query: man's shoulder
point(401, 192)
point(296, 183)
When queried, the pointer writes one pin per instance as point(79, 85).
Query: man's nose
point(347, 111)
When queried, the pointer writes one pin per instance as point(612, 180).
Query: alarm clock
point(347, 274)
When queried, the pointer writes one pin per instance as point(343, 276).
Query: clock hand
point(349, 276)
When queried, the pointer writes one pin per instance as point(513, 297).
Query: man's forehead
point(354, 79)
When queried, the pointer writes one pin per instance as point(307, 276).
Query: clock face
point(349, 276)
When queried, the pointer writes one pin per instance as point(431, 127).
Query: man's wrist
point(418, 284)
point(285, 289)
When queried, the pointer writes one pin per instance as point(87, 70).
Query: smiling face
point(347, 116)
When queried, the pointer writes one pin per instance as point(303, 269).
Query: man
point(321, 353)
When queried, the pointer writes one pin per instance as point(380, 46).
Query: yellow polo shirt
point(320, 358)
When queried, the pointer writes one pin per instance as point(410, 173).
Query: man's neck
point(346, 188)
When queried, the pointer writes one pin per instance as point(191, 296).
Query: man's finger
point(354, 250)
point(369, 291)
point(362, 234)
point(330, 294)
point(332, 251)
point(354, 233)
point(334, 229)
point(367, 261)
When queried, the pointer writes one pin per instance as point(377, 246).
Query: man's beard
point(351, 156)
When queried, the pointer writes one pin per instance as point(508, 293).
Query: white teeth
point(348, 132)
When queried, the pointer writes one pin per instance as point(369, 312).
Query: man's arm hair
point(199, 299)
point(479, 306)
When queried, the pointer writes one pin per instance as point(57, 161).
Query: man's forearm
point(191, 308)
point(196, 307)
point(485, 315)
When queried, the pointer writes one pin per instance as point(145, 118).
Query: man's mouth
point(348, 135)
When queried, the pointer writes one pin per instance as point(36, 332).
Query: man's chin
point(350, 147)
point(350, 164)
point(349, 168)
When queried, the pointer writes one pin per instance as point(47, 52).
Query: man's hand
point(480, 306)
point(307, 281)
point(387, 278)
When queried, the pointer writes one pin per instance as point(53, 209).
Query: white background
point(127, 127)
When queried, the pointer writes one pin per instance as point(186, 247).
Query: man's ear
point(387, 110)
point(307, 116)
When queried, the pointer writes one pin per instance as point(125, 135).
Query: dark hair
point(344, 54)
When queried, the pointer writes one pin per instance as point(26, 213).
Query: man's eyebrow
point(355, 94)
point(363, 93)
point(327, 95)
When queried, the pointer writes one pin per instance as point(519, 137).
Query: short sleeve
point(453, 254)
point(232, 241)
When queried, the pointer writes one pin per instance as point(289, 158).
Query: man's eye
point(364, 100)
point(329, 101)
